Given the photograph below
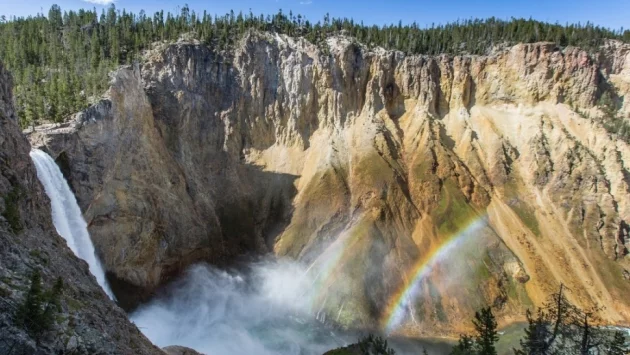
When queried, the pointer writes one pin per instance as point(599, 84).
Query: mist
point(262, 309)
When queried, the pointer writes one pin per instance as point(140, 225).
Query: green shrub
point(374, 345)
point(37, 313)
point(12, 211)
point(609, 104)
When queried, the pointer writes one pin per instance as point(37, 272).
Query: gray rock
point(28, 241)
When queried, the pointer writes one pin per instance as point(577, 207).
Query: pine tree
point(37, 312)
point(95, 50)
point(52, 304)
point(486, 328)
point(87, 46)
point(551, 322)
point(465, 346)
point(586, 335)
point(374, 345)
point(618, 344)
point(29, 313)
point(559, 327)
point(536, 335)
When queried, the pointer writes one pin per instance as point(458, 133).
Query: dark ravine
point(89, 321)
point(272, 147)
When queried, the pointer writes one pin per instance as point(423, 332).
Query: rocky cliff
point(420, 188)
point(88, 322)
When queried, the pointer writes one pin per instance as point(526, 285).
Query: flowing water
point(67, 216)
point(263, 308)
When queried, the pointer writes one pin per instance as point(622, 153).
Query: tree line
point(556, 328)
point(61, 61)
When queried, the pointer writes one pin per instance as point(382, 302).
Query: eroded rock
point(273, 147)
point(88, 321)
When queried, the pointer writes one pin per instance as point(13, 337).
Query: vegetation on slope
point(558, 327)
point(11, 209)
point(37, 314)
point(614, 123)
point(609, 104)
point(369, 345)
point(62, 60)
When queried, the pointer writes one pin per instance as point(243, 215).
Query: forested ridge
point(60, 61)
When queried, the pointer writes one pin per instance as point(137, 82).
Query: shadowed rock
point(365, 164)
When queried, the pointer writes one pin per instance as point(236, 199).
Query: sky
point(609, 13)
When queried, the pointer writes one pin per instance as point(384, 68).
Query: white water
point(262, 310)
point(67, 216)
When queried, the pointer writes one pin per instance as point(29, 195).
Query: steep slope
point(89, 322)
point(417, 188)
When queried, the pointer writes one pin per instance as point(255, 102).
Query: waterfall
point(67, 216)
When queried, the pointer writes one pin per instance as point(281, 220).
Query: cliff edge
point(88, 322)
point(419, 187)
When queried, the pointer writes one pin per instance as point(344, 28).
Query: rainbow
point(402, 300)
point(334, 256)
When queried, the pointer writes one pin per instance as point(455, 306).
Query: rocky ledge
point(433, 184)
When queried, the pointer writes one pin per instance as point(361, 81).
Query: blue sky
point(609, 13)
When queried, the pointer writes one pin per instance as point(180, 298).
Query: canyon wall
point(419, 188)
point(88, 322)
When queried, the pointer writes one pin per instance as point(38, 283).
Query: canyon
point(416, 189)
point(88, 322)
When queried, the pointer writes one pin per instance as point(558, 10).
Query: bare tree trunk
point(559, 319)
point(584, 346)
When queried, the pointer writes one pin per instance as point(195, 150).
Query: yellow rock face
point(417, 189)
